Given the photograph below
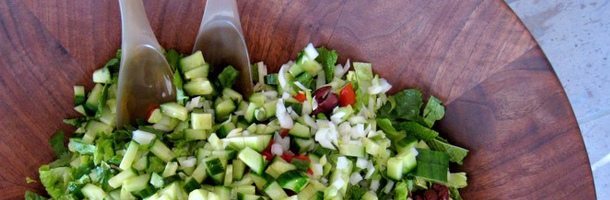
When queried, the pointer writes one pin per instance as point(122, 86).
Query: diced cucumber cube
point(191, 62)
point(174, 110)
point(253, 159)
point(201, 120)
point(155, 116)
point(198, 87)
point(102, 75)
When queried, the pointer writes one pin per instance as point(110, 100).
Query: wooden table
point(504, 102)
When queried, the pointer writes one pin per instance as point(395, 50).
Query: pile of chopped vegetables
point(314, 130)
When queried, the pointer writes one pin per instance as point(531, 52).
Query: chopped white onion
point(370, 169)
point(286, 143)
point(292, 113)
point(355, 178)
point(206, 105)
point(225, 144)
point(337, 117)
point(343, 70)
point(277, 138)
point(359, 130)
point(389, 187)
point(341, 162)
point(413, 149)
point(143, 137)
point(301, 86)
point(257, 87)
point(161, 127)
point(375, 89)
point(311, 52)
point(345, 128)
point(309, 121)
point(321, 78)
point(323, 160)
point(270, 95)
point(384, 85)
point(371, 107)
point(363, 111)
point(375, 184)
point(276, 149)
point(262, 71)
point(362, 163)
point(357, 120)
point(189, 162)
point(281, 76)
point(286, 95)
point(338, 183)
point(283, 116)
point(345, 139)
point(317, 169)
point(338, 72)
point(306, 110)
point(235, 132)
point(327, 134)
point(193, 103)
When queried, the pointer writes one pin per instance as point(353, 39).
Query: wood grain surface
point(503, 100)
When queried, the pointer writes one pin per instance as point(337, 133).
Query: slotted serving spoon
point(221, 41)
point(145, 78)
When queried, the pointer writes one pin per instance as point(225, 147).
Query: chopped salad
point(314, 130)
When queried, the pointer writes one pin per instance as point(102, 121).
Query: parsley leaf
point(33, 196)
point(456, 154)
point(327, 58)
point(57, 143)
point(417, 130)
point(180, 94)
point(227, 77)
point(81, 147)
point(434, 111)
point(354, 192)
point(454, 194)
point(408, 104)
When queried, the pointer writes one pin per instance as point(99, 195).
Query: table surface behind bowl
point(503, 100)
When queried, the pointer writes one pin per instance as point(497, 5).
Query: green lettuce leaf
point(172, 57)
point(102, 101)
point(401, 190)
point(417, 130)
point(434, 111)
point(454, 194)
point(80, 171)
point(389, 130)
point(57, 143)
point(227, 77)
point(408, 104)
point(76, 122)
point(61, 161)
point(104, 150)
point(457, 180)
point(328, 59)
point(81, 147)
point(54, 180)
point(33, 196)
point(456, 154)
point(104, 173)
point(354, 192)
point(178, 82)
point(363, 75)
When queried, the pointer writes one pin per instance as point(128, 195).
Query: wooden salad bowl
point(504, 102)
